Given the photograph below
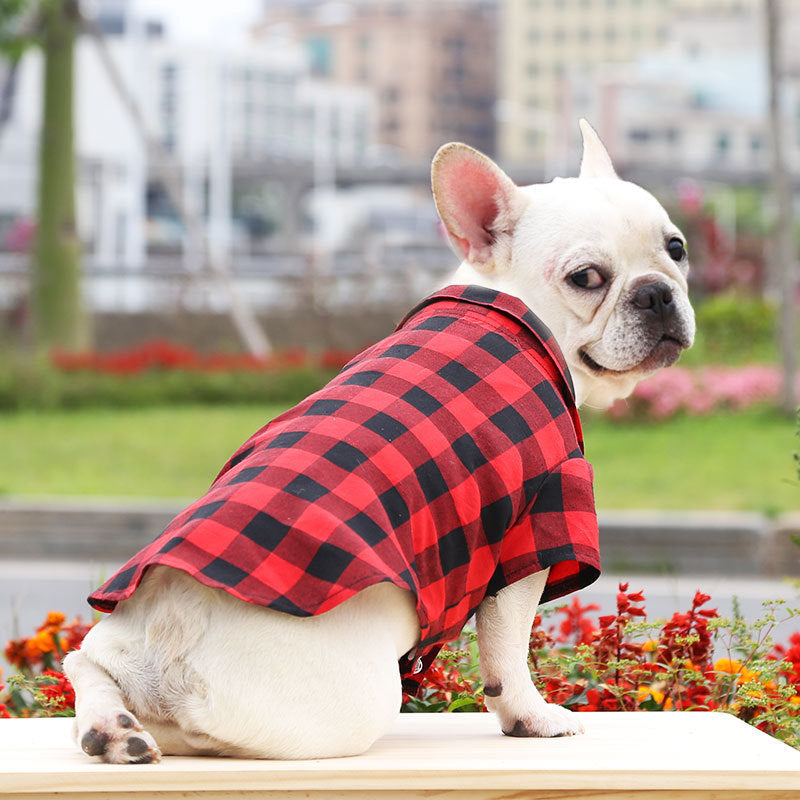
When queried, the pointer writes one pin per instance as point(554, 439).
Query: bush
point(621, 662)
point(701, 391)
point(157, 373)
point(694, 661)
point(734, 328)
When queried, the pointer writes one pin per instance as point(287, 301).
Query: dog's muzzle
point(661, 328)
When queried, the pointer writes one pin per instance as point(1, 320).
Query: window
point(722, 144)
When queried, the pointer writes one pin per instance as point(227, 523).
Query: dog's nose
point(655, 297)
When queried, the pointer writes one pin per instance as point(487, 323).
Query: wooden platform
point(657, 756)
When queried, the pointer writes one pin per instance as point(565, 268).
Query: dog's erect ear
point(478, 203)
point(596, 162)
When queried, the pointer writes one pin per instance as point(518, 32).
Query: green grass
point(162, 451)
point(737, 462)
point(741, 462)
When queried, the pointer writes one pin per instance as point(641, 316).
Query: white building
point(211, 108)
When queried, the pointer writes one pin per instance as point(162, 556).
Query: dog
point(440, 474)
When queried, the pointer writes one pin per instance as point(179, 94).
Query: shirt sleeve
point(558, 530)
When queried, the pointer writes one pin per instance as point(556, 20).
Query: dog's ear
point(478, 203)
point(596, 162)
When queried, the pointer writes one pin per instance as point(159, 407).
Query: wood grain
point(666, 756)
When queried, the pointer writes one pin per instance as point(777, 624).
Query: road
point(29, 589)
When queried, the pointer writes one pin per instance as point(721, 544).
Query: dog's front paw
point(547, 722)
point(118, 738)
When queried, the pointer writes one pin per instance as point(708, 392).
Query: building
point(544, 42)
point(215, 111)
point(699, 105)
point(430, 64)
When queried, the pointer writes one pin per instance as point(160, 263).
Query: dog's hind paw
point(117, 738)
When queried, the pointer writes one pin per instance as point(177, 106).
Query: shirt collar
point(506, 304)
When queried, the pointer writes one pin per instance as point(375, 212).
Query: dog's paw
point(118, 738)
point(546, 722)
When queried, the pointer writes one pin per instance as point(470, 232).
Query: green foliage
point(33, 385)
point(734, 328)
point(13, 38)
point(695, 661)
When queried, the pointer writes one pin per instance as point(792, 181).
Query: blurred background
point(207, 207)
point(257, 159)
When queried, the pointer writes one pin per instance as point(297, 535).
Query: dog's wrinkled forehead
point(615, 218)
point(602, 204)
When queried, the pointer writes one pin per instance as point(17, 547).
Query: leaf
point(650, 705)
point(463, 704)
point(576, 700)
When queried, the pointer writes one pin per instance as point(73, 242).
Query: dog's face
point(595, 257)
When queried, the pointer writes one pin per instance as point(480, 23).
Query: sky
point(202, 20)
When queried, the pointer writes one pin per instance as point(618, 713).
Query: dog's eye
point(676, 250)
point(588, 278)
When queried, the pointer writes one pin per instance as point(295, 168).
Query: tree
point(58, 312)
point(783, 279)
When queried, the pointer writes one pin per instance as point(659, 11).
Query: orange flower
point(39, 644)
point(646, 693)
point(728, 665)
point(733, 667)
point(54, 619)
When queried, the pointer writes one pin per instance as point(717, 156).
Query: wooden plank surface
point(679, 754)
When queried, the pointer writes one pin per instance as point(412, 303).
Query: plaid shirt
point(447, 459)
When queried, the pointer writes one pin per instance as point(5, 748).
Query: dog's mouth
point(664, 354)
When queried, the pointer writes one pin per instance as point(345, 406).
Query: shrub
point(734, 328)
point(39, 686)
point(694, 661)
point(621, 662)
point(701, 391)
point(159, 372)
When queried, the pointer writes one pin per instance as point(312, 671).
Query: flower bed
point(160, 354)
point(159, 371)
point(622, 662)
point(618, 662)
point(701, 391)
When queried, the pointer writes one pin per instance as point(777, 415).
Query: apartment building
point(699, 104)
point(547, 42)
point(430, 64)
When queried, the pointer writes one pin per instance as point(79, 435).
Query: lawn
point(737, 462)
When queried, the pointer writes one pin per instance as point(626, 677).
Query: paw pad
point(94, 742)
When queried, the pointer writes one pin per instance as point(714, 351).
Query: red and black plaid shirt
point(446, 459)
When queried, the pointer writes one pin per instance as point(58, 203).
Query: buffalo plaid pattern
point(447, 459)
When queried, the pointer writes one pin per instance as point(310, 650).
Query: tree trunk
point(784, 271)
point(58, 312)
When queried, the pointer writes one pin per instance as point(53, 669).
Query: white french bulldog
point(181, 668)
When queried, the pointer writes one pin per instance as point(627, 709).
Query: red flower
point(59, 691)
